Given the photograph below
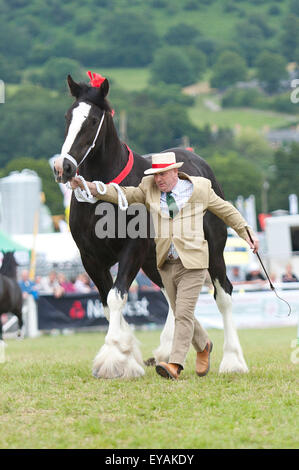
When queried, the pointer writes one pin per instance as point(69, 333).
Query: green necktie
point(172, 206)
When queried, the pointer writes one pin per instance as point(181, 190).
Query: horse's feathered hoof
point(231, 363)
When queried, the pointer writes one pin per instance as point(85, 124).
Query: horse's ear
point(105, 88)
point(74, 87)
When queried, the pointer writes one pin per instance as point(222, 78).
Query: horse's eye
point(93, 121)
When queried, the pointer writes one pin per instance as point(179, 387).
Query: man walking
point(178, 200)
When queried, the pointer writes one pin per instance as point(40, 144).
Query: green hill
point(117, 33)
point(150, 51)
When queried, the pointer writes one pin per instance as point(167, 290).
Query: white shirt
point(181, 192)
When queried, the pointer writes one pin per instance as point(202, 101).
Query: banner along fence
point(251, 309)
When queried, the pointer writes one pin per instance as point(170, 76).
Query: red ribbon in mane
point(96, 79)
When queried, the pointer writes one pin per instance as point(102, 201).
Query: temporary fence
point(252, 307)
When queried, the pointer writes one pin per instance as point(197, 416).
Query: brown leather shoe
point(168, 370)
point(203, 360)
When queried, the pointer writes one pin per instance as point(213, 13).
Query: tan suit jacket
point(185, 230)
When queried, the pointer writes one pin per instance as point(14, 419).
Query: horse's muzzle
point(64, 169)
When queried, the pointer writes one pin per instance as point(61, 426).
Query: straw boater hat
point(163, 162)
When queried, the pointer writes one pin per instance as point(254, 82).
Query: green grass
point(256, 119)
point(49, 399)
point(129, 79)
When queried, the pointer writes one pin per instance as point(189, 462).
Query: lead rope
point(84, 195)
point(270, 282)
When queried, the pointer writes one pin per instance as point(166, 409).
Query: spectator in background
point(289, 276)
point(28, 287)
point(82, 284)
point(254, 274)
point(67, 286)
point(49, 285)
point(235, 275)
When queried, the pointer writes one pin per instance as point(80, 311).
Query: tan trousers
point(183, 287)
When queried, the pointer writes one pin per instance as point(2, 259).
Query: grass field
point(256, 119)
point(49, 399)
point(129, 79)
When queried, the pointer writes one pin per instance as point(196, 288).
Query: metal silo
point(20, 200)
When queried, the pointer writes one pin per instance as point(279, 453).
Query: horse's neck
point(107, 159)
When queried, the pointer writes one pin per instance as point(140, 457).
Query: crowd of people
point(57, 284)
point(254, 275)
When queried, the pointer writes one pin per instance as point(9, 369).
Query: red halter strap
point(118, 179)
point(126, 169)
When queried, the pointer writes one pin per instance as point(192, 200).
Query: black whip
point(270, 282)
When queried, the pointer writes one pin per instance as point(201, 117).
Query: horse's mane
point(91, 94)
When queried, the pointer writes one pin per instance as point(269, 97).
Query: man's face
point(166, 180)
point(25, 275)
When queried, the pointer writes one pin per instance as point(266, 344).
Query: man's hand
point(252, 241)
point(78, 183)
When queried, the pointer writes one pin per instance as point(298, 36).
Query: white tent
point(55, 247)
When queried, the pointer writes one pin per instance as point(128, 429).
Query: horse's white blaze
point(163, 351)
point(79, 115)
point(233, 359)
point(120, 356)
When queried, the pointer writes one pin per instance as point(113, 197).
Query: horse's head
point(84, 120)
point(9, 264)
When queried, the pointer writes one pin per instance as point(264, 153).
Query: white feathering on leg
point(233, 359)
point(120, 356)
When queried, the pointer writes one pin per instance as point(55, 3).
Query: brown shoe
point(203, 360)
point(168, 370)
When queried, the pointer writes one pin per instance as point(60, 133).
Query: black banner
point(86, 310)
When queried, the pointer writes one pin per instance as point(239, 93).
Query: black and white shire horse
point(11, 299)
point(91, 136)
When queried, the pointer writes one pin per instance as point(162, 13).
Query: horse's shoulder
point(199, 181)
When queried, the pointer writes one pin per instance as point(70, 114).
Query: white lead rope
point(84, 195)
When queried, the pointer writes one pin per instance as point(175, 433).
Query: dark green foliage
point(236, 174)
point(250, 39)
point(290, 36)
point(181, 35)
point(236, 97)
point(130, 40)
point(171, 65)
point(53, 74)
point(271, 68)
point(286, 179)
point(294, 7)
point(229, 69)
point(32, 124)
point(255, 98)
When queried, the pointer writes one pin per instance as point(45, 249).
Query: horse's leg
point(99, 272)
point(120, 356)
point(19, 314)
point(233, 359)
point(101, 276)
